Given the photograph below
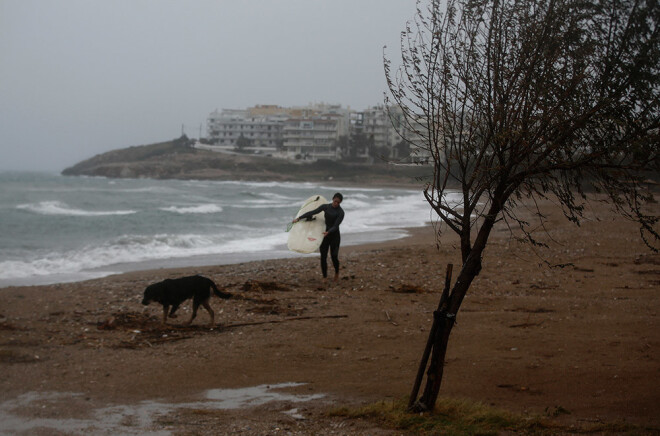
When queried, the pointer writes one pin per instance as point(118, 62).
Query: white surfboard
point(306, 236)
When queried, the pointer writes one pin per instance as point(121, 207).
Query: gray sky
point(81, 77)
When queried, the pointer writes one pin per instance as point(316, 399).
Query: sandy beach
point(578, 345)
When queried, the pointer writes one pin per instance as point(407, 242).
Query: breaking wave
point(202, 208)
point(59, 208)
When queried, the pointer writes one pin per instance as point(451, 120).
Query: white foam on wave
point(60, 208)
point(200, 208)
point(266, 200)
point(287, 185)
point(377, 213)
point(135, 248)
point(347, 189)
point(266, 204)
point(147, 189)
point(255, 243)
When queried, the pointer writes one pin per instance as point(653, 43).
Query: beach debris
point(147, 331)
point(13, 356)
point(409, 289)
point(387, 314)
point(276, 321)
point(4, 325)
point(108, 324)
point(293, 413)
point(257, 286)
point(126, 320)
point(275, 309)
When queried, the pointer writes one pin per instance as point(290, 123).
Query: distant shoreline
point(174, 160)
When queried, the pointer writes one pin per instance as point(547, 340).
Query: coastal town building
point(257, 130)
point(377, 125)
point(312, 138)
point(312, 132)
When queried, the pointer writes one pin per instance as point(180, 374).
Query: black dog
point(173, 292)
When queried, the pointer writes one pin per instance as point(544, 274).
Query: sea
point(57, 229)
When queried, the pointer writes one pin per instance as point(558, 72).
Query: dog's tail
point(218, 292)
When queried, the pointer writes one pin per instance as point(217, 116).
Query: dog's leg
point(174, 308)
point(207, 306)
point(165, 307)
point(194, 312)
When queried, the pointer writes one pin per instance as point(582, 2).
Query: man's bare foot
point(336, 277)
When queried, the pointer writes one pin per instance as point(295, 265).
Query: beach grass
point(466, 417)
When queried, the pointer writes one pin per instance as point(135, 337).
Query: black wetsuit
point(333, 217)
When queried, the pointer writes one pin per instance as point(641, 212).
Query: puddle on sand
point(41, 412)
point(255, 396)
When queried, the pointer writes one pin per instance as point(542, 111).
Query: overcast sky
point(81, 77)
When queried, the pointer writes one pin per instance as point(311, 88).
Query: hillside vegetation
point(177, 160)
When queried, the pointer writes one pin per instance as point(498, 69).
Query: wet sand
point(579, 344)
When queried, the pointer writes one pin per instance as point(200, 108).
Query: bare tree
point(522, 99)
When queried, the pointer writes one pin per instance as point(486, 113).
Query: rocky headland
point(177, 159)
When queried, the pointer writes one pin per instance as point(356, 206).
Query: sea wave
point(286, 185)
point(136, 248)
point(211, 220)
point(60, 208)
point(266, 205)
point(377, 213)
point(200, 208)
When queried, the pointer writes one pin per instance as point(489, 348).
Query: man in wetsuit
point(334, 215)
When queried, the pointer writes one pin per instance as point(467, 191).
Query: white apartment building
point(383, 125)
point(313, 135)
point(312, 138)
point(387, 128)
point(261, 132)
point(307, 133)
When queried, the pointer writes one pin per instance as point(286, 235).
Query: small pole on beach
point(431, 340)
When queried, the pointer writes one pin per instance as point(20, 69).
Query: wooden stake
point(430, 341)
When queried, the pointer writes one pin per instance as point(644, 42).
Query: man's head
point(337, 199)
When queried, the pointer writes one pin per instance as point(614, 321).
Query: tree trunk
point(446, 318)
